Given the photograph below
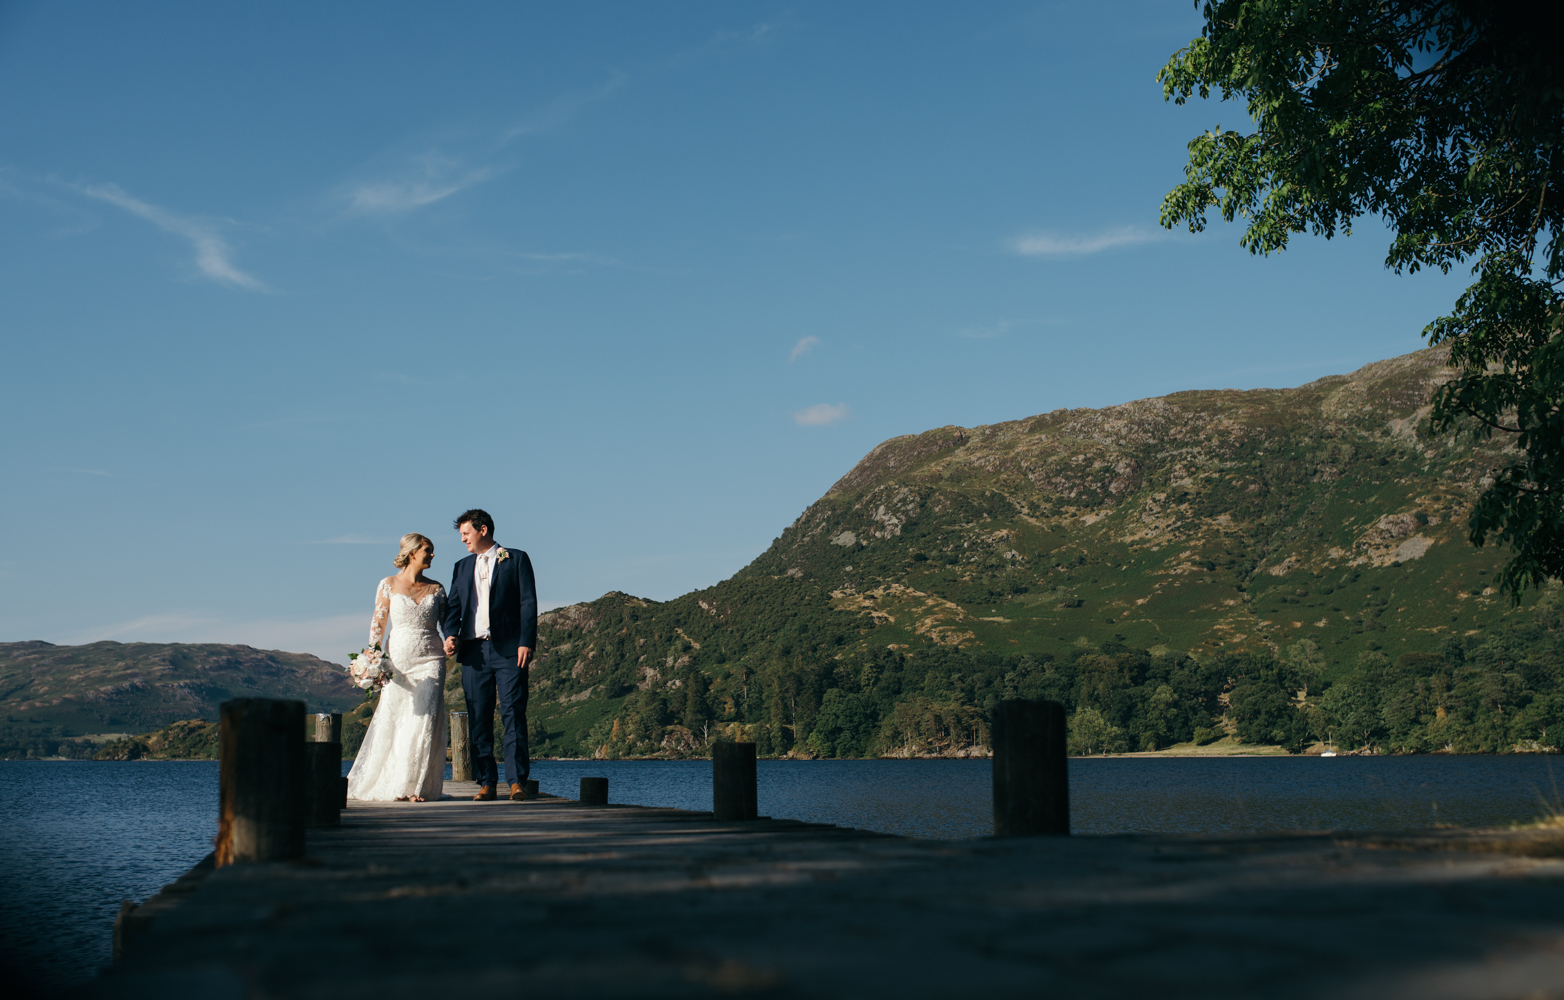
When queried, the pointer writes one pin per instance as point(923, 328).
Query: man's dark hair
point(477, 518)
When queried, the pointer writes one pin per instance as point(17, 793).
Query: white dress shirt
point(483, 576)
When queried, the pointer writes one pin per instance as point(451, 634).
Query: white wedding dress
point(403, 754)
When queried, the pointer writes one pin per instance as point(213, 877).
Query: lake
point(77, 837)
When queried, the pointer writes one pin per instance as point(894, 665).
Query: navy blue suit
point(489, 665)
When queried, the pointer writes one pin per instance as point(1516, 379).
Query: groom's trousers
point(494, 674)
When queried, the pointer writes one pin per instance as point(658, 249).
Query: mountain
point(1201, 520)
point(1214, 553)
point(133, 687)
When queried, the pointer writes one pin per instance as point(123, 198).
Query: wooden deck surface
point(549, 898)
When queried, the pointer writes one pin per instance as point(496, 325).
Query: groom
point(493, 609)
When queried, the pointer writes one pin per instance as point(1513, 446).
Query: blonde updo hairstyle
point(411, 543)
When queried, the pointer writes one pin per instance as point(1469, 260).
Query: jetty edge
point(555, 897)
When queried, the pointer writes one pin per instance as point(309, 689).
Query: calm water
point(77, 837)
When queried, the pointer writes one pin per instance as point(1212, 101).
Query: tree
point(1160, 718)
point(1446, 118)
point(1352, 708)
point(1262, 707)
point(844, 726)
point(1306, 660)
point(697, 711)
point(1088, 733)
point(537, 735)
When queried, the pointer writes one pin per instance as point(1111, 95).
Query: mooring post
point(1031, 777)
point(325, 789)
point(461, 748)
point(261, 781)
point(532, 788)
point(594, 791)
point(322, 784)
point(328, 727)
point(733, 788)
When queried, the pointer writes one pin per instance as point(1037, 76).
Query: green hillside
point(50, 693)
point(1201, 565)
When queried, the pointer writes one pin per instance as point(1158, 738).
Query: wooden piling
point(1031, 779)
point(328, 727)
point(594, 791)
point(322, 784)
point(123, 923)
point(461, 748)
point(733, 785)
point(262, 779)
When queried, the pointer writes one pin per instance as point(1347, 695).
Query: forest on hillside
point(1497, 692)
point(790, 686)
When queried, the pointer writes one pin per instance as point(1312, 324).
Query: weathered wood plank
point(547, 898)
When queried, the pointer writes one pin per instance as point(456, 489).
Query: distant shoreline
point(1224, 749)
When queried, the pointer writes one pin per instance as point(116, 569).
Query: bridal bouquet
point(369, 668)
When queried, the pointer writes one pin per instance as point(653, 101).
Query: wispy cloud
point(397, 183)
point(454, 165)
point(1047, 244)
point(802, 348)
point(820, 415)
point(213, 257)
point(433, 179)
point(561, 109)
point(81, 220)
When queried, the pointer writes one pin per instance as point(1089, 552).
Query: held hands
point(523, 653)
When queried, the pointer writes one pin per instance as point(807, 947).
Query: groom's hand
point(450, 645)
point(523, 656)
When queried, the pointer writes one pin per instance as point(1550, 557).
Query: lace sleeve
point(377, 624)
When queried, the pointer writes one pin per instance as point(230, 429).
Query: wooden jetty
point(547, 898)
point(553, 898)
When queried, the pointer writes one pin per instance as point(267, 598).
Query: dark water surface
point(77, 837)
point(953, 799)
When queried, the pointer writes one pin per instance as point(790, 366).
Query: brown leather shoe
point(518, 793)
point(485, 794)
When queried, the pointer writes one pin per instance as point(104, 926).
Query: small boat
point(1330, 748)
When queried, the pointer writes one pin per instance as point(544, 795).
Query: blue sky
point(280, 282)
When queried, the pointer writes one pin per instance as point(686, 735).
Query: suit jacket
point(513, 605)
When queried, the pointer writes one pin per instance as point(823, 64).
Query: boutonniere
point(502, 555)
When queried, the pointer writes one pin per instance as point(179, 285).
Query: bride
point(403, 754)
